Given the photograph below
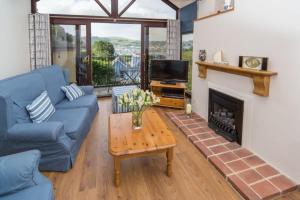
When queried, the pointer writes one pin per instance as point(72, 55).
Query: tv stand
point(168, 83)
point(171, 95)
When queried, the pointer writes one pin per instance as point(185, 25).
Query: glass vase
point(137, 120)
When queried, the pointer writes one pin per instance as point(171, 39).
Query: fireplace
point(226, 115)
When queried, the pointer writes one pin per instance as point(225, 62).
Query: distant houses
point(127, 68)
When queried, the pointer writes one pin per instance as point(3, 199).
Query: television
point(169, 71)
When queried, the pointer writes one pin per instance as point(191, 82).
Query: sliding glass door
point(100, 54)
point(70, 50)
point(116, 55)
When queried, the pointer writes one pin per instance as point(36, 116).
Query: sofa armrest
point(30, 132)
point(17, 171)
point(87, 89)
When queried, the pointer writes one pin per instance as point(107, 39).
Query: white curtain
point(173, 39)
point(39, 36)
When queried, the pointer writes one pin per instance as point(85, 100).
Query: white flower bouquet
point(137, 101)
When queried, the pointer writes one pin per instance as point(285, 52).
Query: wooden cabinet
point(170, 95)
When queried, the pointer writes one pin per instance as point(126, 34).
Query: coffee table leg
point(117, 171)
point(169, 161)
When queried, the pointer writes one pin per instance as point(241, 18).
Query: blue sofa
point(59, 138)
point(20, 178)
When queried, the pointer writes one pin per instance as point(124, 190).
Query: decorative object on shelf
point(138, 100)
point(228, 4)
point(188, 108)
point(202, 54)
point(251, 62)
point(219, 58)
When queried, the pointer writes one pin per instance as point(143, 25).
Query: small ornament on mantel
point(219, 58)
point(202, 55)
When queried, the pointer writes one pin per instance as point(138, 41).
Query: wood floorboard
point(91, 178)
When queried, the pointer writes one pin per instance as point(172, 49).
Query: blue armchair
point(20, 178)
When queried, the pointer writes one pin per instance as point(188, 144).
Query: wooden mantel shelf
point(261, 79)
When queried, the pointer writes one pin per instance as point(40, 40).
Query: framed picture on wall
point(252, 62)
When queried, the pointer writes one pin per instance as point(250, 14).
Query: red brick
point(187, 122)
point(199, 120)
point(242, 152)
point(265, 190)
point(190, 126)
point(250, 176)
point(193, 139)
point(253, 161)
point(200, 130)
point(219, 149)
point(170, 114)
point(267, 171)
point(283, 183)
point(225, 171)
point(242, 188)
point(227, 157)
point(204, 136)
point(233, 146)
point(223, 140)
point(177, 122)
point(238, 166)
point(186, 131)
point(203, 149)
point(201, 124)
point(183, 117)
point(211, 142)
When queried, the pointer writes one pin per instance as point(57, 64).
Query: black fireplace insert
point(226, 115)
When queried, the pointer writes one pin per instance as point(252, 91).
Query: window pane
point(123, 4)
point(157, 43)
point(71, 7)
point(154, 9)
point(116, 56)
point(106, 3)
point(64, 48)
point(187, 54)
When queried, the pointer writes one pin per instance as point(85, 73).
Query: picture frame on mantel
point(252, 62)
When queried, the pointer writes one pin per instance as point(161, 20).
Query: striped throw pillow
point(72, 91)
point(41, 109)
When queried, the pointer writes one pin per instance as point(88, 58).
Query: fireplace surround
point(226, 115)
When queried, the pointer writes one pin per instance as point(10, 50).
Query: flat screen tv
point(169, 71)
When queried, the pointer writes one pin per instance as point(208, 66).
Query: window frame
point(114, 12)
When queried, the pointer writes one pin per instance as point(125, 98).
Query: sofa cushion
point(17, 171)
point(54, 79)
point(39, 192)
point(87, 101)
point(74, 120)
point(41, 109)
point(16, 89)
point(72, 91)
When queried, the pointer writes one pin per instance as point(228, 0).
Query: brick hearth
point(251, 176)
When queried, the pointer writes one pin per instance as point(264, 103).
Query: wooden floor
point(144, 178)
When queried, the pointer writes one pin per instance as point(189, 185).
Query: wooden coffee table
point(153, 138)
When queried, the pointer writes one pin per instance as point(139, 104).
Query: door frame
point(88, 20)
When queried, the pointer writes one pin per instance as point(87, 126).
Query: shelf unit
point(261, 79)
point(157, 88)
point(215, 14)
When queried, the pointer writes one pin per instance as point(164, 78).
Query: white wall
point(267, 28)
point(14, 38)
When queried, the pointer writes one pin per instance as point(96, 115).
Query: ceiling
point(181, 3)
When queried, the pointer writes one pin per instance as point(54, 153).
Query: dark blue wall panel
point(187, 16)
